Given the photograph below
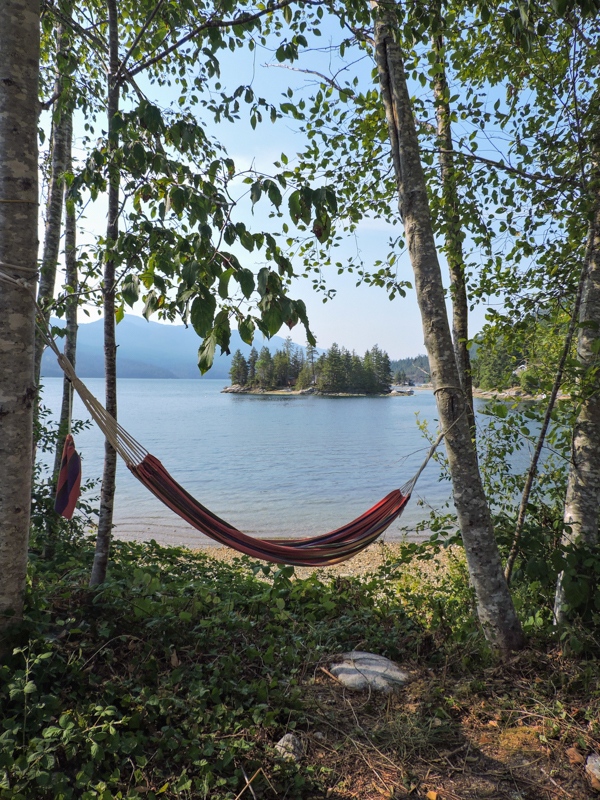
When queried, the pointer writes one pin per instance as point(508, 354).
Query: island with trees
point(335, 372)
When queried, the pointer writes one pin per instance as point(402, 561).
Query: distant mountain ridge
point(150, 350)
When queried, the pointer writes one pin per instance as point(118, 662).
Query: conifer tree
point(239, 369)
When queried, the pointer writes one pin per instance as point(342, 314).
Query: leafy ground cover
point(178, 675)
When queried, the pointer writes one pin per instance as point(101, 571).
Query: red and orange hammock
point(318, 551)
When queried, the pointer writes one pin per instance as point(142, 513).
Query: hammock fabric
point(69, 480)
point(318, 551)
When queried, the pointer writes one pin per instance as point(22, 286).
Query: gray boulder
point(290, 747)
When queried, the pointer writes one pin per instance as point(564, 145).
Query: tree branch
point(530, 176)
point(141, 32)
point(242, 19)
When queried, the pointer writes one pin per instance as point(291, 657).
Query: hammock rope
point(317, 551)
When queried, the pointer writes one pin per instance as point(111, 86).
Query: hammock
point(318, 551)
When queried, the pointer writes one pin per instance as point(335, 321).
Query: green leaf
point(206, 352)
point(246, 330)
point(130, 291)
point(202, 314)
point(224, 283)
point(245, 278)
point(263, 278)
point(273, 193)
point(255, 192)
point(273, 319)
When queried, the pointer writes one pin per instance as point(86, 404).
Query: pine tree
point(252, 359)
point(264, 369)
point(281, 368)
point(239, 369)
point(332, 377)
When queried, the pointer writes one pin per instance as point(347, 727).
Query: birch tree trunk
point(582, 500)
point(19, 72)
point(61, 134)
point(72, 304)
point(107, 494)
point(494, 604)
point(453, 230)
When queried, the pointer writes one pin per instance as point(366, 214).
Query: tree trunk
point(107, 495)
point(453, 232)
point(61, 135)
point(19, 72)
point(582, 501)
point(72, 304)
point(494, 604)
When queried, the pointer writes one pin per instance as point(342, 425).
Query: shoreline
point(363, 563)
point(237, 389)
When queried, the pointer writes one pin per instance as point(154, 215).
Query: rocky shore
point(237, 389)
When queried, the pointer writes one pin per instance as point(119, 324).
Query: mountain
point(149, 350)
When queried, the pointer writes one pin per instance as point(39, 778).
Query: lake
point(269, 465)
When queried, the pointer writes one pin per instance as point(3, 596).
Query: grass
point(178, 675)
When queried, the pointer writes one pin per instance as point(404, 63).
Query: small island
point(297, 371)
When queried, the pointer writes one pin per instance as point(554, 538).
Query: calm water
point(271, 466)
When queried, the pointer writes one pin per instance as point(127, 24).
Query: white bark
point(19, 70)
point(107, 494)
point(494, 604)
point(61, 135)
point(582, 501)
point(454, 234)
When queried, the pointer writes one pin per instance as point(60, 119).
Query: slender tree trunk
point(558, 379)
point(72, 304)
point(582, 501)
point(19, 73)
point(61, 134)
point(453, 230)
point(494, 604)
point(107, 495)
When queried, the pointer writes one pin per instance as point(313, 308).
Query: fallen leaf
point(432, 795)
point(175, 662)
point(574, 756)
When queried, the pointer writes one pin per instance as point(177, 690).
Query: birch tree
point(495, 608)
point(19, 72)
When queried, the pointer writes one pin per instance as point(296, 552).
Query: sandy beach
point(362, 564)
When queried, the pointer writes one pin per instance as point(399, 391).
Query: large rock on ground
point(290, 747)
point(369, 672)
point(592, 769)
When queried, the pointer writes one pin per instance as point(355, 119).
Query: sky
point(359, 316)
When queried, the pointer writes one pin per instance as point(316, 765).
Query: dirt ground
point(516, 731)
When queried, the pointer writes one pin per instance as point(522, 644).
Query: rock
point(235, 389)
point(290, 747)
point(592, 770)
point(366, 671)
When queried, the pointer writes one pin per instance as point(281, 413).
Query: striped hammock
point(318, 551)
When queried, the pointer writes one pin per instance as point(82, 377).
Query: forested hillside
point(415, 370)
